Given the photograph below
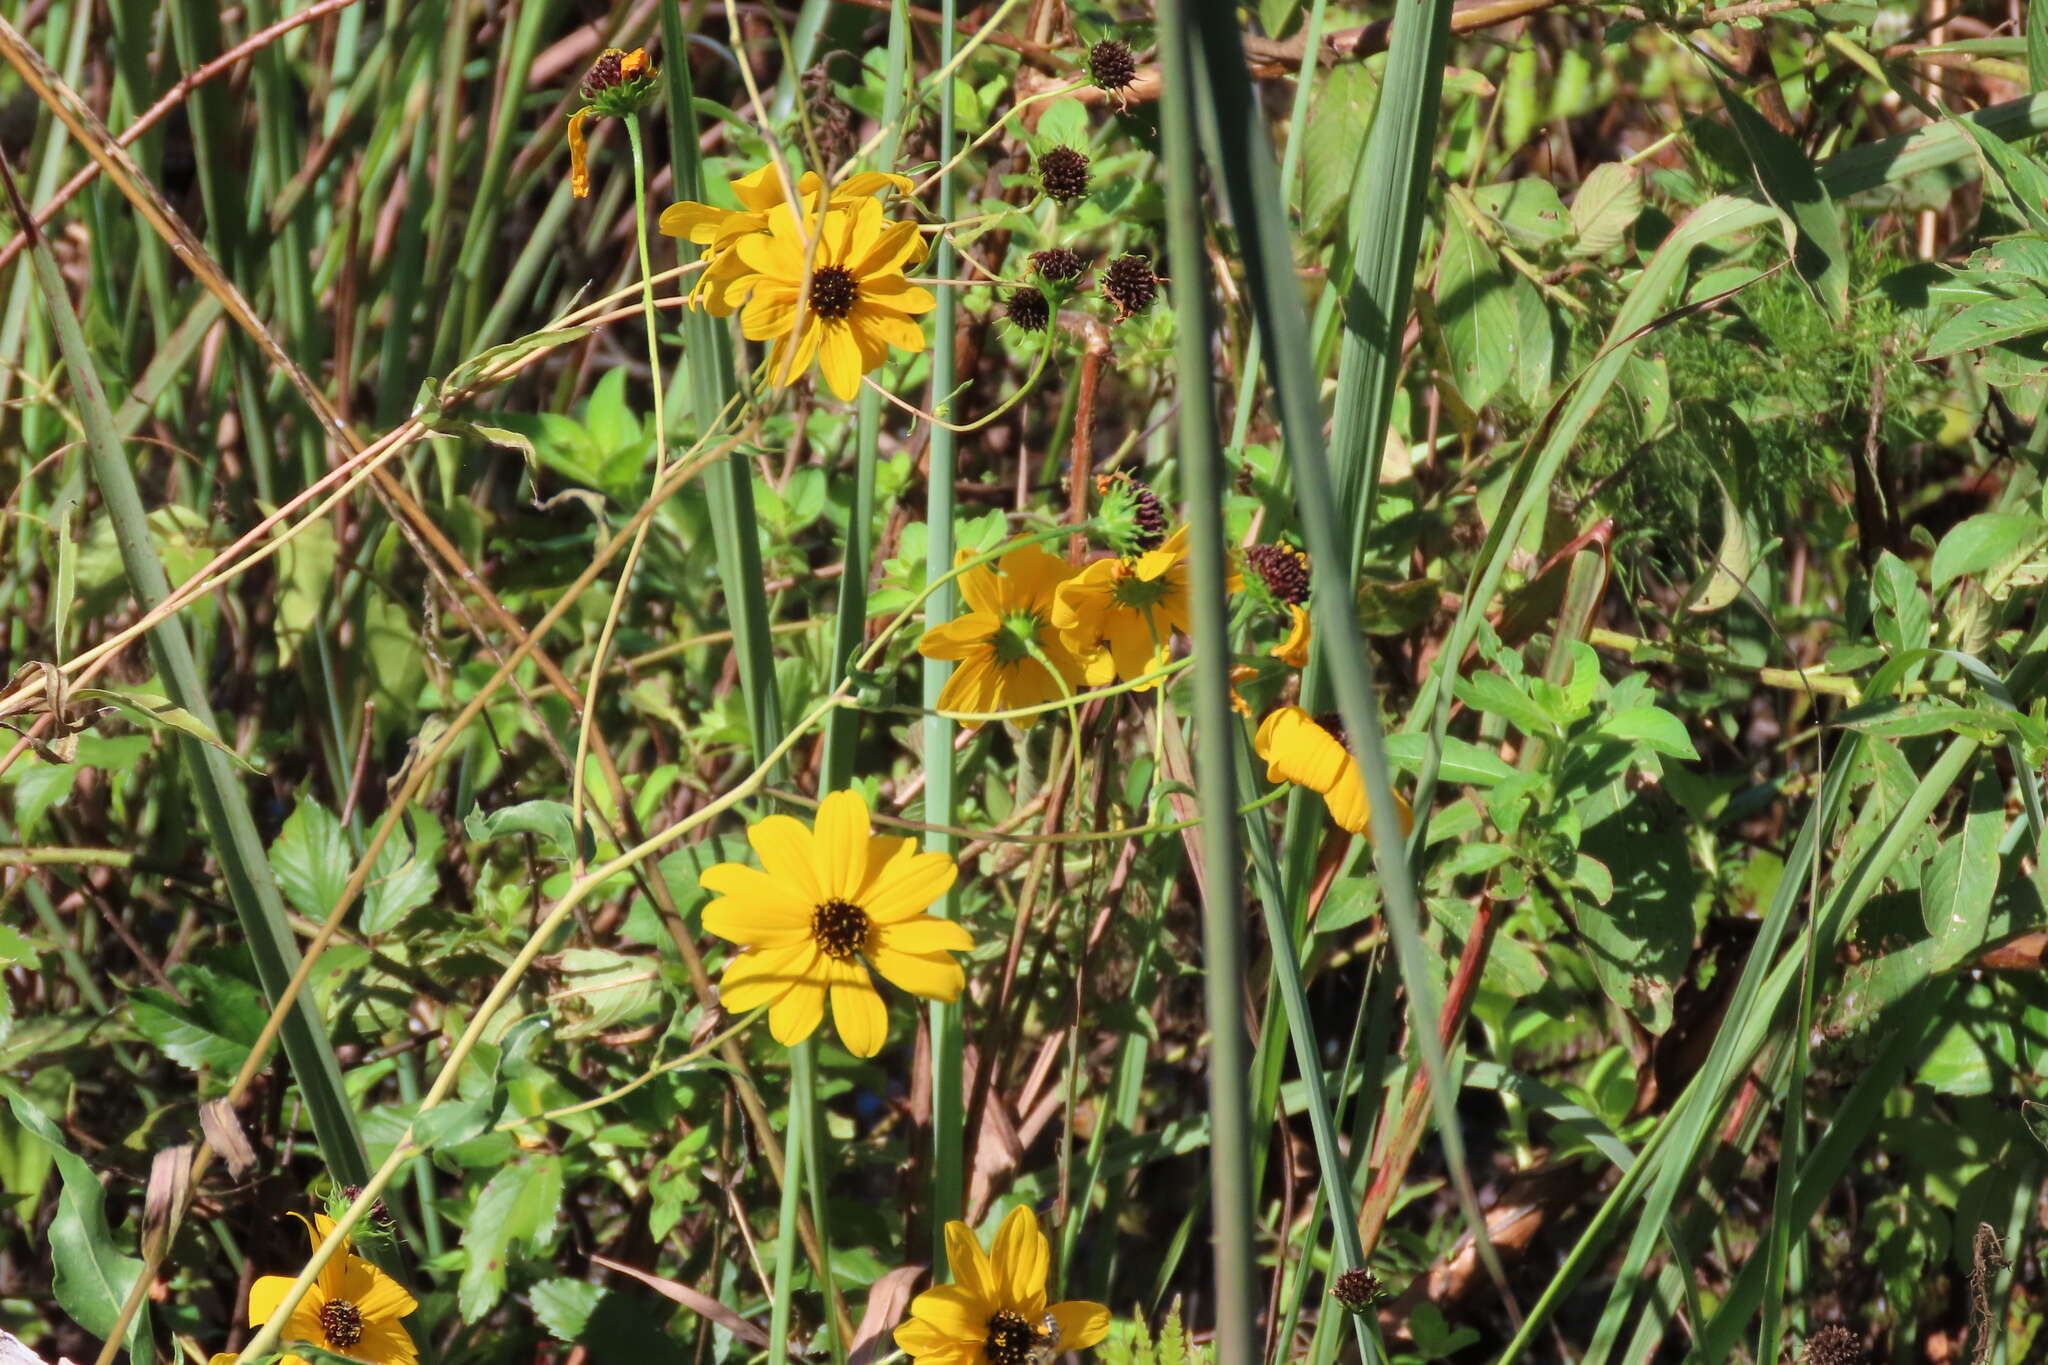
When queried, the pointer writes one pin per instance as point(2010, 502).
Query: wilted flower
point(619, 85)
point(1833, 1345)
point(1309, 751)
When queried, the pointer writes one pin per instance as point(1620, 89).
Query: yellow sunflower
point(1293, 651)
point(1118, 616)
point(859, 304)
point(352, 1308)
point(994, 1312)
point(718, 231)
point(825, 904)
point(1009, 609)
point(1309, 752)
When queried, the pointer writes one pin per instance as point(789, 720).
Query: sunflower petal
point(959, 1311)
point(839, 360)
point(929, 976)
point(375, 1293)
point(764, 976)
point(860, 1016)
point(973, 1277)
point(786, 850)
point(798, 1013)
point(1020, 1256)
point(841, 834)
point(907, 885)
point(924, 935)
point(264, 1297)
point(1082, 1324)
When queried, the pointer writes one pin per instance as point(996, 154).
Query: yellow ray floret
point(1299, 749)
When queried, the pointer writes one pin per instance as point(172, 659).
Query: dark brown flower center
point(834, 291)
point(1010, 1339)
point(341, 1322)
point(839, 928)
point(1332, 725)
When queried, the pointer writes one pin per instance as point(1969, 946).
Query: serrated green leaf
point(1982, 324)
point(517, 1208)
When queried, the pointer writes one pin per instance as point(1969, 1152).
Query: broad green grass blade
point(1251, 184)
point(1389, 197)
point(949, 1040)
point(1217, 729)
point(258, 907)
point(729, 489)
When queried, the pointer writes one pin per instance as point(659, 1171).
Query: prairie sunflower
point(824, 905)
point(1118, 616)
point(1308, 752)
point(1009, 610)
point(858, 304)
point(352, 1309)
point(994, 1312)
point(718, 231)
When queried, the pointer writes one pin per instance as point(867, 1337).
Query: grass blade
point(1217, 730)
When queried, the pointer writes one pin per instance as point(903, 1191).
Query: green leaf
point(1465, 763)
point(1812, 223)
point(1606, 206)
point(1956, 893)
point(1982, 324)
point(613, 1324)
point(1528, 209)
point(518, 1206)
point(311, 859)
point(403, 879)
point(1985, 542)
point(1063, 124)
point(1492, 692)
point(91, 1279)
point(213, 1030)
point(550, 820)
point(2037, 47)
point(1650, 727)
point(1903, 617)
point(1640, 940)
point(1475, 310)
point(602, 990)
point(156, 712)
point(1330, 144)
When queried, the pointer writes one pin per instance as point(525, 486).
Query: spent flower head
point(1130, 518)
point(1063, 174)
point(1027, 309)
point(1833, 1345)
point(1130, 284)
point(1112, 67)
point(1058, 264)
point(619, 84)
point(1358, 1289)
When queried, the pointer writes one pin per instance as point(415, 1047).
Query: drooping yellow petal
point(579, 157)
point(1293, 651)
point(839, 360)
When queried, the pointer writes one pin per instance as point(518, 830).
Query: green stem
point(802, 1103)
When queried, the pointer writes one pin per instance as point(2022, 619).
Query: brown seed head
point(1058, 264)
point(1833, 1345)
point(1063, 174)
point(1027, 309)
point(1130, 284)
point(1111, 66)
point(1358, 1290)
point(1283, 569)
